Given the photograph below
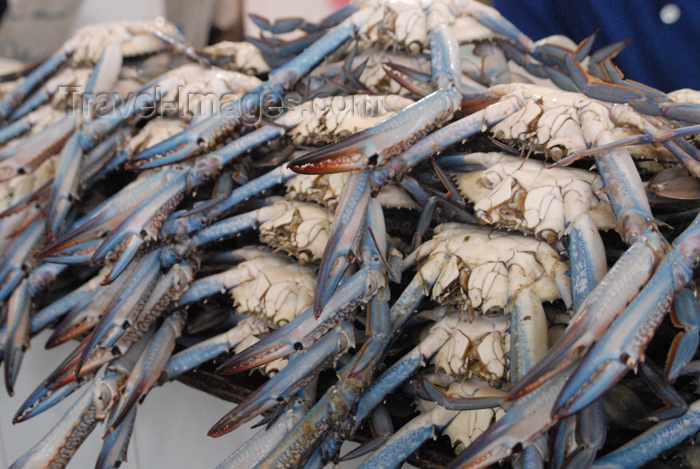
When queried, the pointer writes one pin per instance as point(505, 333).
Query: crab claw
point(85, 307)
point(42, 399)
point(108, 215)
point(140, 226)
point(65, 185)
point(59, 445)
point(212, 348)
point(252, 451)
point(301, 369)
point(126, 303)
point(610, 297)
point(522, 424)
point(18, 253)
point(344, 238)
point(17, 340)
point(624, 342)
point(148, 368)
point(305, 329)
point(375, 145)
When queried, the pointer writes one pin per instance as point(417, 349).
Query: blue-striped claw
point(623, 344)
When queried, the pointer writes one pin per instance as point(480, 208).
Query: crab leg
point(148, 368)
point(17, 333)
point(28, 154)
point(332, 409)
point(17, 255)
point(204, 135)
point(305, 329)
point(303, 367)
point(253, 450)
point(412, 435)
point(523, 423)
point(406, 366)
point(212, 348)
point(84, 306)
point(113, 211)
point(132, 297)
point(116, 444)
point(345, 236)
point(622, 345)
point(59, 445)
point(12, 99)
point(196, 219)
point(686, 313)
point(335, 405)
point(654, 441)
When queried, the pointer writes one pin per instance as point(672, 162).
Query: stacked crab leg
point(199, 245)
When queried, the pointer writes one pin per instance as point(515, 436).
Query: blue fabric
point(665, 56)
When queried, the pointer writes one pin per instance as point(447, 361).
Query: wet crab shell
point(476, 274)
point(134, 37)
point(302, 230)
point(325, 189)
point(327, 120)
point(524, 195)
point(277, 288)
point(469, 424)
point(476, 348)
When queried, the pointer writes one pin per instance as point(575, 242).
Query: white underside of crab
point(475, 348)
point(273, 286)
point(202, 91)
point(329, 119)
point(524, 195)
point(135, 38)
point(685, 96)
point(155, 131)
point(406, 23)
point(326, 188)
point(301, 229)
point(477, 274)
point(559, 122)
point(242, 56)
point(468, 424)
point(14, 190)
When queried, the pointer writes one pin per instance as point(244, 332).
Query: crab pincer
point(622, 346)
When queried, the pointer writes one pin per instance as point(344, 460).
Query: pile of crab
point(412, 219)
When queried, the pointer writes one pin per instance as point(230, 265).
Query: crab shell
point(325, 189)
point(477, 273)
point(558, 122)
point(203, 91)
point(329, 119)
point(276, 287)
point(134, 37)
point(476, 348)
point(469, 424)
point(524, 195)
point(405, 24)
point(241, 57)
point(302, 230)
